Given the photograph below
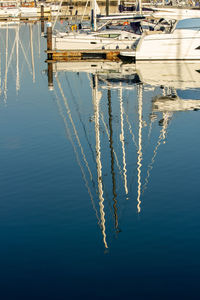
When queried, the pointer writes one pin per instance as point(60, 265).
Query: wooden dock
point(67, 55)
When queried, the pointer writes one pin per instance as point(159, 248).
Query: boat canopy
point(191, 24)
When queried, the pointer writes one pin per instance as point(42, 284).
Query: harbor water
point(99, 176)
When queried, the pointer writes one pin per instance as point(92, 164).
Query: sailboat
point(94, 39)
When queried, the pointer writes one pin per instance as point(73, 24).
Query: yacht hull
point(93, 41)
point(180, 45)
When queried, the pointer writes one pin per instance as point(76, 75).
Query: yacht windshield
point(192, 24)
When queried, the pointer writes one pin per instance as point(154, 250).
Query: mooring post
point(107, 7)
point(49, 40)
point(50, 76)
point(42, 19)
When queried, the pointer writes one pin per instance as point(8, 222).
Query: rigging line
point(57, 15)
point(153, 118)
point(98, 160)
point(76, 154)
point(122, 141)
point(150, 130)
point(161, 138)
point(11, 56)
point(81, 121)
point(74, 127)
point(12, 51)
point(112, 160)
point(139, 152)
point(106, 130)
point(26, 59)
point(130, 129)
point(84, 11)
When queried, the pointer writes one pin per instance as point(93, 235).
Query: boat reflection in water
point(112, 129)
point(171, 77)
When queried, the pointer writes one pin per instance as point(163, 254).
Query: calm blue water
point(99, 177)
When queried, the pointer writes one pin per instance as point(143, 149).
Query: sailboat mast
point(94, 15)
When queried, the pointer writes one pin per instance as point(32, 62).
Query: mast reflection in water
point(104, 161)
point(112, 129)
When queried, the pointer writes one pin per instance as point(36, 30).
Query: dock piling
point(49, 40)
point(42, 19)
point(50, 76)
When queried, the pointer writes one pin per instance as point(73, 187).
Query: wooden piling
point(49, 40)
point(42, 19)
point(50, 76)
point(107, 7)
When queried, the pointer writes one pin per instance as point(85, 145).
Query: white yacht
point(181, 43)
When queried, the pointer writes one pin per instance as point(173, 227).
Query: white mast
point(94, 8)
